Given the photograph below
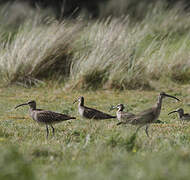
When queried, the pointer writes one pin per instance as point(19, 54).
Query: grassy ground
point(97, 56)
point(85, 149)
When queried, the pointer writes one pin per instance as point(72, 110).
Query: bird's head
point(80, 100)
point(32, 104)
point(120, 107)
point(179, 110)
point(163, 95)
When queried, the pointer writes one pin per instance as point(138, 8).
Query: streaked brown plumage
point(148, 116)
point(91, 113)
point(121, 115)
point(183, 116)
point(45, 117)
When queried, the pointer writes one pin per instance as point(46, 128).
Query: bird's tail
point(114, 116)
point(69, 118)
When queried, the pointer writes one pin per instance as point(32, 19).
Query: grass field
point(86, 149)
point(109, 61)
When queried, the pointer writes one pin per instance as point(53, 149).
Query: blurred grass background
point(118, 50)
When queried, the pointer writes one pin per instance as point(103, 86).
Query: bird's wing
point(145, 112)
point(52, 117)
point(141, 118)
point(144, 117)
point(96, 114)
point(127, 115)
point(186, 116)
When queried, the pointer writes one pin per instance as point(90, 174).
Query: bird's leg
point(139, 128)
point(53, 130)
point(146, 130)
point(47, 131)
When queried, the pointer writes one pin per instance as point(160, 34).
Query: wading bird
point(45, 117)
point(91, 113)
point(182, 115)
point(148, 116)
point(121, 115)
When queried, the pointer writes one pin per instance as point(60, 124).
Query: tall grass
point(113, 53)
point(129, 55)
point(36, 52)
point(109, 56)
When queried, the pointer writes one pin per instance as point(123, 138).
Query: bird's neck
point(181, 114)
point(159, 102)
point(32, 108)
point(81, 103)
point(120, 110)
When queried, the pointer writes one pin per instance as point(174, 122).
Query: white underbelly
point(81, 111)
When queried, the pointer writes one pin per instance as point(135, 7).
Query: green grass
point(58, 62)
point(84, 149)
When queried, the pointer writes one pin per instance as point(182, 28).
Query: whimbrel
point(182, 115)
point(91, 113)
point(121, 115)
point(149, 115)
point(45, 117)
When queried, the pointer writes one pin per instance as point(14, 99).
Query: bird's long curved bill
point(167, 95)
point(21, 105)
point(112, 108)
point(172, 112)
point(75, 101)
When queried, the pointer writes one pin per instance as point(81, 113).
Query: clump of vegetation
point(109, 49)
point(114, 53)
point(37, 51)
